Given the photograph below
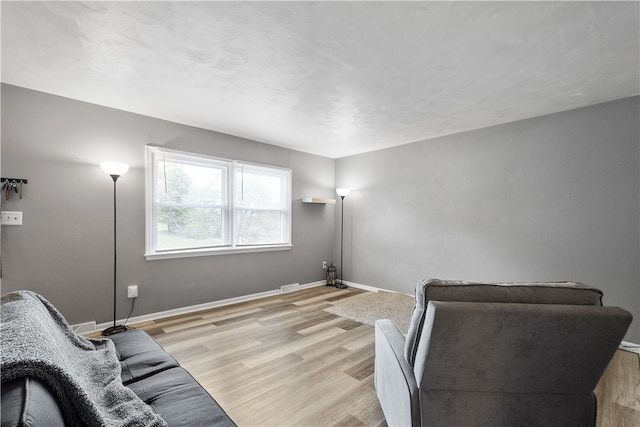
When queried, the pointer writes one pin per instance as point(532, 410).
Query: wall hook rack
point(16, 180)
point(12, 184)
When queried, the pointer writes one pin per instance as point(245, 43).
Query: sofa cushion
point(133, 342)
point(140, 355)
point(146, 364)
point(180, 400)
point(26, 402)
point(570, 293)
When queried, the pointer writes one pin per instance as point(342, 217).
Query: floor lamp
point(115, 170)
point(342, 192)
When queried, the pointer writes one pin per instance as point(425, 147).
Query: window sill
point(221, 251)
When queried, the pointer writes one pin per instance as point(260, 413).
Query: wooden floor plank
point(280, 360)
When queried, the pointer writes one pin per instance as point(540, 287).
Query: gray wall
point(550, 198)
point(64, 249)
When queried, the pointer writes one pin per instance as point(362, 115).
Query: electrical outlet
point(132, 291)
point(10, 218)
point(324, 265)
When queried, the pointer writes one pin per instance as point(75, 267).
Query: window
point(200, 205)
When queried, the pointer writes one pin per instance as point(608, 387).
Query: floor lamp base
point(341, 286)
point(114, 330)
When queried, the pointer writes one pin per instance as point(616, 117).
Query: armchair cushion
point(568, 293)
point(517, 348)
point(499, 364)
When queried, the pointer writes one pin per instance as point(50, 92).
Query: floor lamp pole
point(342, 193)
point(115, 248)
point(115, 328)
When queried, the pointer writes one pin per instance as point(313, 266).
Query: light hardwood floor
point(618, 392)
point(279, 361)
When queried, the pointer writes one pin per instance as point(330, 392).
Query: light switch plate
point(10, 218)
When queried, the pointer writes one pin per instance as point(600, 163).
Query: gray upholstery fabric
point(447, 408)
point(517, 348)
point(134, 342)
point(521, 360)
point(140, 356)
point(180, 400)
point(398, 384)
point(524, 292)
point(28, 402)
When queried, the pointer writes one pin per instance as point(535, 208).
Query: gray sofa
point(518, 354)
point(52, 377)
point(152, 374)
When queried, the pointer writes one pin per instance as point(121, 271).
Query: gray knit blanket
point(83, 374)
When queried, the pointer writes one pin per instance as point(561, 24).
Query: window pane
point(188, 227)
point(256, 227)
point(189, 205)
point(189, 184)
point(259, 190)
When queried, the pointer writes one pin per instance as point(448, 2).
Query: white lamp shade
point(343, 192)
point(114, 168)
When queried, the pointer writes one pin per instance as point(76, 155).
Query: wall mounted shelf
point(318, 200)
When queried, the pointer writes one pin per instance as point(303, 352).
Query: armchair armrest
point(394, 379)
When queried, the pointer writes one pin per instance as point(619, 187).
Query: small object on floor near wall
point(12, 184)
point(332, 273)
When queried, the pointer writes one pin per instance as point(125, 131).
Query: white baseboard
point(364, 287)
point(630, 347)
point(84, 328)
point(190, 309)
point(370, 288)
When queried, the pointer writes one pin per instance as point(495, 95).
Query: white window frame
point(151, 174)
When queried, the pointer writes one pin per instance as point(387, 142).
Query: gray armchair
point(518, 354)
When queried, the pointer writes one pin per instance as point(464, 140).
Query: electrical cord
point(133, 304)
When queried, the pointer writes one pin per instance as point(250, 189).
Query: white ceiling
point(328, 78)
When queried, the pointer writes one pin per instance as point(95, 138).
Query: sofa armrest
point(27, 401)
point(394, 379)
